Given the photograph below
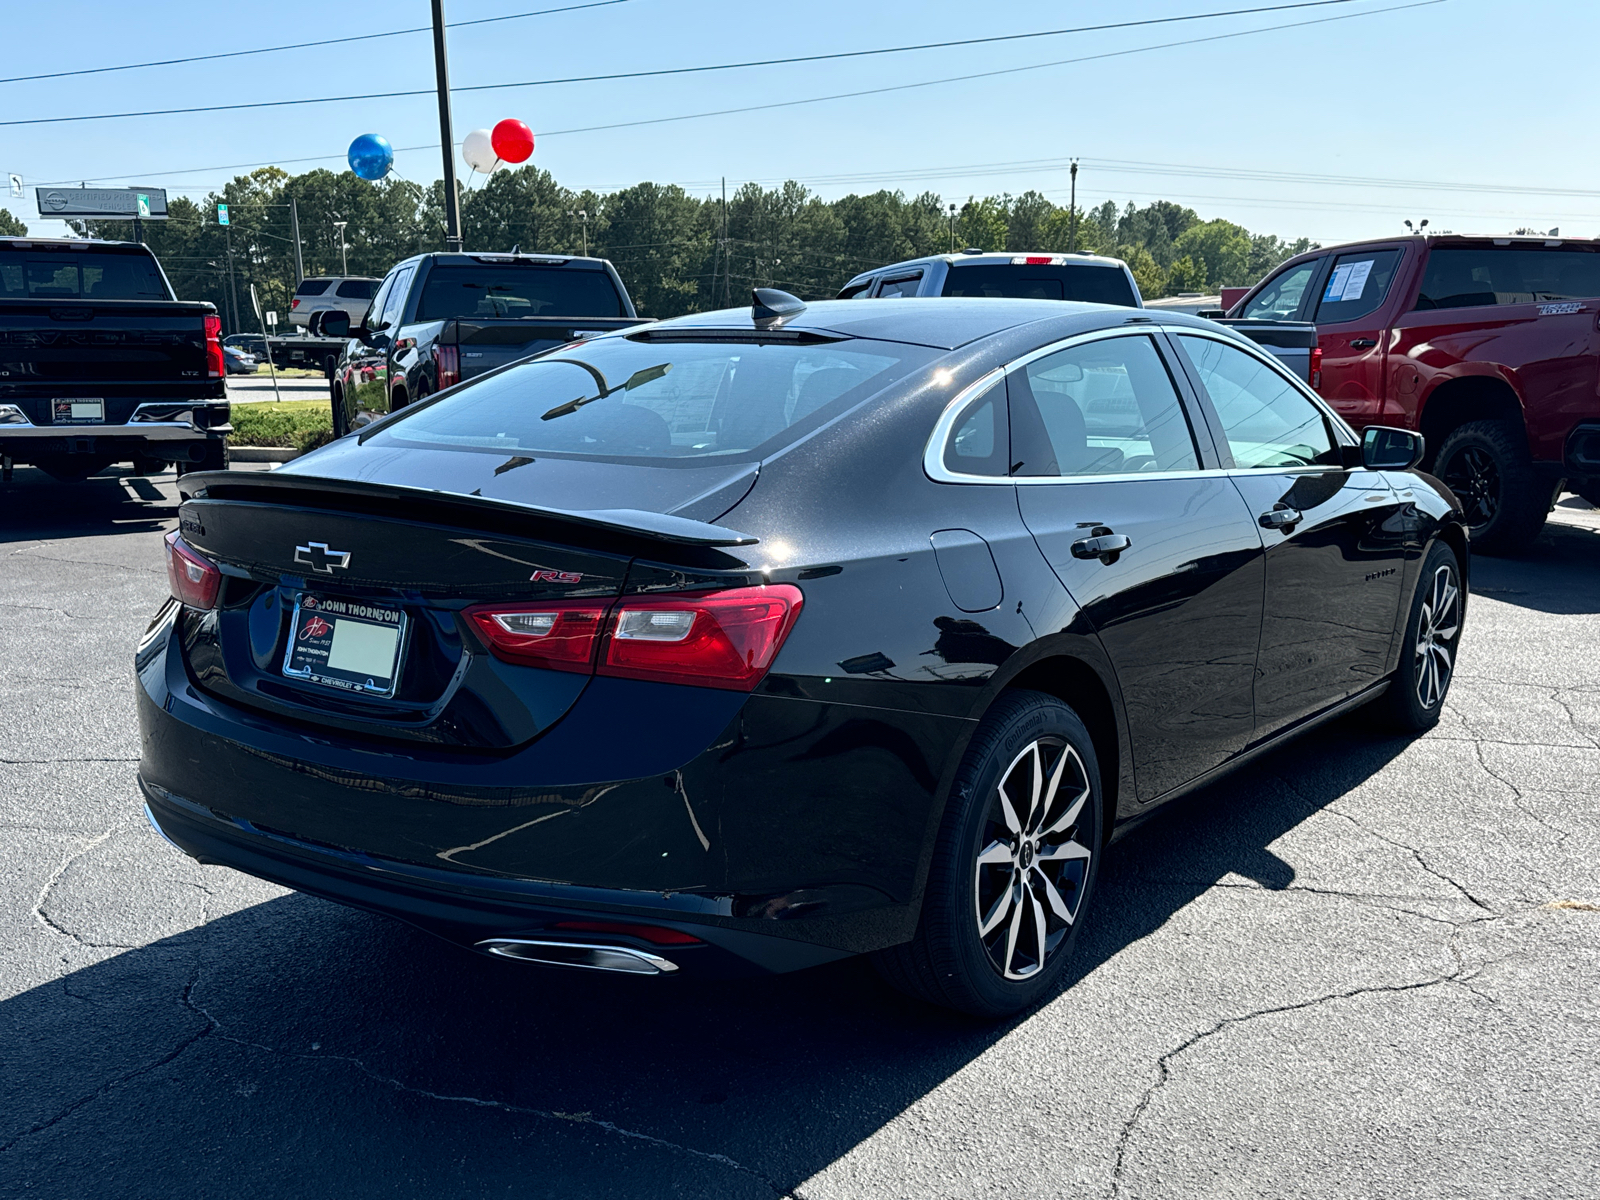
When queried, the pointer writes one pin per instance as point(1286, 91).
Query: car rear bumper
point(781, 832)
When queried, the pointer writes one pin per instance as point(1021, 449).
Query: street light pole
point(952, 229)
point(294, 225)
point(452, 202)
point(344, 268)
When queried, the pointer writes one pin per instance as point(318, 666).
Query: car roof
point(941, 322)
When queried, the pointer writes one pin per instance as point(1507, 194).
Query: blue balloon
point(371, 156)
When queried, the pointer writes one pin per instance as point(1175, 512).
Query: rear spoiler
point(630, 522)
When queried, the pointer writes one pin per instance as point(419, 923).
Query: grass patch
point(301, 424)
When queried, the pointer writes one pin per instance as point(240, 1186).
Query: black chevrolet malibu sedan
point(759, 638)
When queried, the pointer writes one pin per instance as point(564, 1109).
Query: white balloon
point(478, 152)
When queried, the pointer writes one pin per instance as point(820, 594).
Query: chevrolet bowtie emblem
point(318, 557)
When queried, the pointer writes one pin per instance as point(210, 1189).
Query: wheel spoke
point(1038, 787)
point(1057, 904)
point(1066, 852)
point(1038, 928)
point(1009, 812)
point(1069, 818)
point(1011, 939)
point(995, 852)
point(1055, 782)
point(997, 911)
point(1443, 657)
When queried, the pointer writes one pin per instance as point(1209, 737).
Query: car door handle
point(1283, 518)
point(1363, 343)
point(1106, 546)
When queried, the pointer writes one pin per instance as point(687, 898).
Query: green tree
point(11, 225)
point(1147, 273)
point(1220, 249)
point(982, 224)
point(1186, 275)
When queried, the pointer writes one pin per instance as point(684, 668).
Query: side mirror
point(335, 323)
point(1387, 449)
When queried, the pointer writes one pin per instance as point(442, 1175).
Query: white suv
point(345, 293)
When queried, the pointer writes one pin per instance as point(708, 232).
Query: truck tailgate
point(488, 343)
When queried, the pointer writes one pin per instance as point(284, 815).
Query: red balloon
point(512, 141)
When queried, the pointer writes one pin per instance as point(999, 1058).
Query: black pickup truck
point(99, 363)
point(439, 319)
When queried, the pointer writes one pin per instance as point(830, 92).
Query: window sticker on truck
point(1348, 281)
point(1556, 310)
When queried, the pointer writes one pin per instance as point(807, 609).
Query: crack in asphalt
point(89, 562)
point(1457, 977)
point(45, 919)
point(1516, 797)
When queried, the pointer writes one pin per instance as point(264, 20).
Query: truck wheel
point(1591, 493)
point(1486, 464)
point(213, 458)
point(1014, 866)
point(143, 465)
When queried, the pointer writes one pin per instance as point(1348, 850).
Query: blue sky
point(1464, 92)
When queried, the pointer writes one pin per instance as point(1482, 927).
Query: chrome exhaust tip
point(590, 956)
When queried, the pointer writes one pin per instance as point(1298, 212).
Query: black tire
point(213, 457)
point(340, 425)
point(143, 465)
point(1591, 493)
point(1055, 846)
point(1486, 464)
point(1422, 680)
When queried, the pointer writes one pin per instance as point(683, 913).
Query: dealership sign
point(126, 204)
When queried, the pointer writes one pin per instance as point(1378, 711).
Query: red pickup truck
point(1489, 347)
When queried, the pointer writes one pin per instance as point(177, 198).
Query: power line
point(905, 87)
point(360, 37)
point(769, 62)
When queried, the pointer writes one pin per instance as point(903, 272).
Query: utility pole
point(952, 228)
point(294, 226)
point(452, 202)
point(1072, 211)
point(233, 290)
point(338, 226)
point(727, 262)
point(583, 216)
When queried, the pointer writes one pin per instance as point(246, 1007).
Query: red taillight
point(215, 367)
point(447, 365)
point(656, 934)
point(717, 639)
point(1316, 368)
point(193, 579)
point(724, 639)
point(294, 304)
point(561, 635)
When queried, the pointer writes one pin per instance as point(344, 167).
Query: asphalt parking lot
point(1364, 966)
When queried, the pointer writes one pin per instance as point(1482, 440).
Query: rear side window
point(1104, 408)
point(394, 301)
point(517, 290)
point(1088, 283)
point(853, 290)
point(1474, 277)
point(357, 289)
point(660, 402)
point(312, 287)
point(901, 285)
point(1280, 299)
point(78, 275)
point(1356, 286)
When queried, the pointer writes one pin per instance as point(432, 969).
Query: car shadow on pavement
point(38, 508)
point(296, 1047)
point(1559, 574)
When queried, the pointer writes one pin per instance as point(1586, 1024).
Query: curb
point(267, 454)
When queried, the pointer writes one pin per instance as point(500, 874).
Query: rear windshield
point(49, 274)
point(312, 287)
point(660, 401)
point(1096, 285)
point(517, 290)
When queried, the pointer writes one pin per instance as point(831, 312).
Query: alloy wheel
point(1473, 476)
point(1437, 629)
point(1032, 867)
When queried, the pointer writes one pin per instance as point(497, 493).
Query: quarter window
point(1266, 420)
point(395, 302)
point(1280, 298)
point(980, 440)
point(1106, 407)
point(1356, 285)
